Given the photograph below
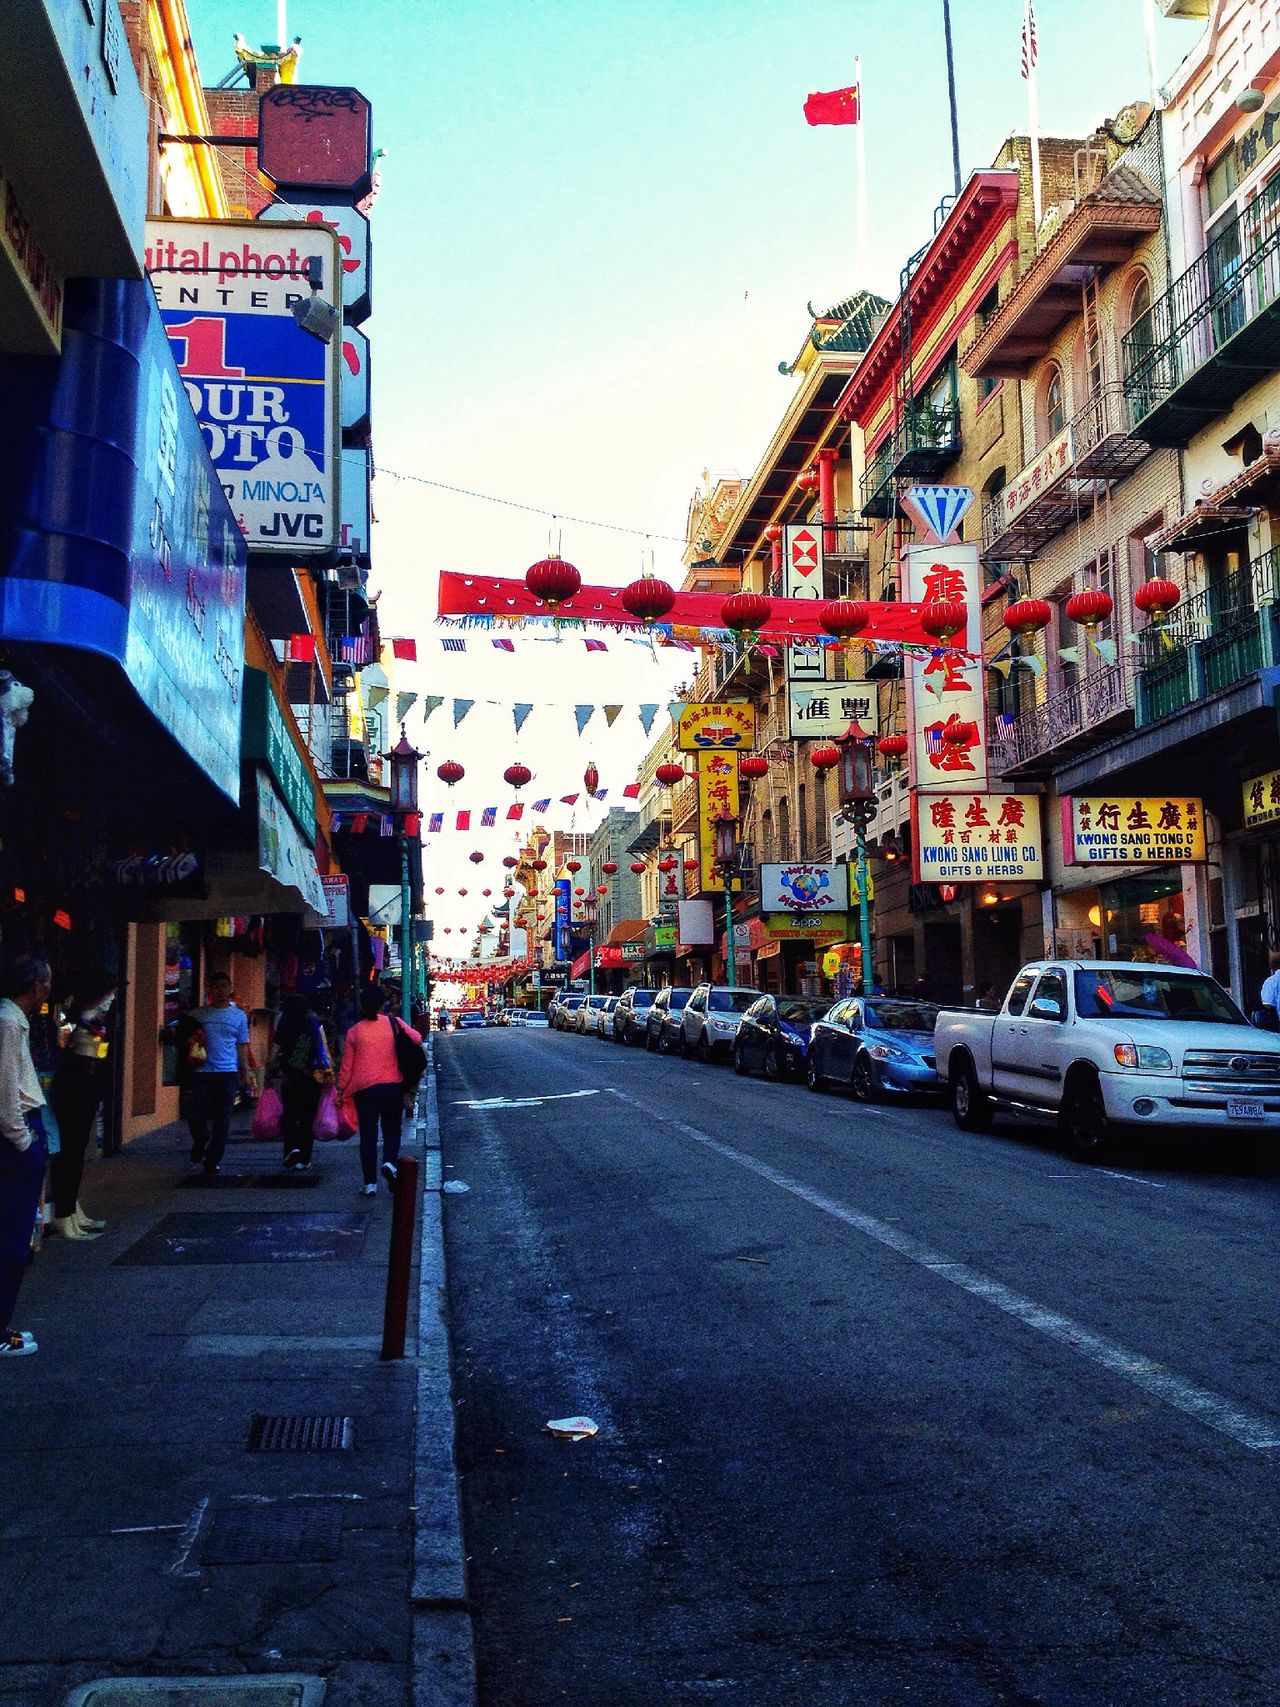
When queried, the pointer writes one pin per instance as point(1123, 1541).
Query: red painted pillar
point(827, 495)
point(773, 533)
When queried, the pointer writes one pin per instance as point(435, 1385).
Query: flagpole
point(860, 155)
point(1149, 25)
point(951, 95)
point(1031, 53)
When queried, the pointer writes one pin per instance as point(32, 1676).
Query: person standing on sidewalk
point(23, 1152)
point(226, 1065)
point(79, 1084)
point(370, 1076)
point(302, 1055)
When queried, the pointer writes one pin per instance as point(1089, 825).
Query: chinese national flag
point(300, 649)
point(839, 106)
point(407, 649)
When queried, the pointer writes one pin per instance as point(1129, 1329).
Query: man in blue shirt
point(226, 1064)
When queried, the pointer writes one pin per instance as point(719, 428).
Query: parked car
point(1101, 1045)
point(773, 1038)
point(584, 1018)
point(566, 1011)
point(881, 1047)
point(513, 1016)
point(630, 1017)
point(604, 1019)
point(472, 1020)
point(711, 1019)
point(534, 1020)
point(662, 1025)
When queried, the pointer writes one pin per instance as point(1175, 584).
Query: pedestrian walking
point(370, 1076)
point(1269, 997)
point(302, 1056)
point(79, 1086)
point(23, 1151)
point(225, 1045)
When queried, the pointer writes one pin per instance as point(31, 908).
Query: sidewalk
point(140, 1533)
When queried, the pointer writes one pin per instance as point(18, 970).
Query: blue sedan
point(883, 1047)
point(773, 1037)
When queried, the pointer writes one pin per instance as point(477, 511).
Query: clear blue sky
point(599, 227)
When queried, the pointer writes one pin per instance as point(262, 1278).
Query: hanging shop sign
point(352, 231)
point(316, 137)
point(717, 794)
point(337, 893)
point(812, 706)
point(808, 886)
point(977, 838)
point(722, 727)
point(264, 390)
point(563, 918)
point(31, 287)
point(118, 539)
point(1113, 829)
point(946, 705)
point(353, 386)
point(784, 927)
point(179, 873)
point(356, 498)
point(1039, 474)
point(282, 853)
point(267, 738)
point(1262, 800)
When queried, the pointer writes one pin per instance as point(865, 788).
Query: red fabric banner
point(839, 106)
point(790, 619)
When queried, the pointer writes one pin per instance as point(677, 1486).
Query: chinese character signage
point(977, 838)
point(717, 793)
point(1037, 477)
point(1262, 800)
point(946, 704)
point(723, 727)
point(806, 887)
point(1107, 829)
point(264, 391)
point(815, 705)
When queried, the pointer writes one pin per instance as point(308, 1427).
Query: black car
point(773, 1038)
point(662, 1026)
point(631, 1015)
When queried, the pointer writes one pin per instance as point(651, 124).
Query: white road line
point(1254, 1429)
point(190, 1531)
point(1134, 1179)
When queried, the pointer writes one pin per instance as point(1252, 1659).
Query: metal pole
point(591, 957)
point(406, 931)
point(730, 958)
point(864, 907)
point(404, 1204)
point(951, 95)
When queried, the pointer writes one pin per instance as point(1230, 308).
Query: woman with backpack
point(378, 1058)
point(302, 1056)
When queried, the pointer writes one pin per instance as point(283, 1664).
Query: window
point(1140, 307)
point(986, 309)
point(784, 829)
point(1052, 988)
point(1051, 416)
point(766, 838)
point(804, 822)
point(1019, 993)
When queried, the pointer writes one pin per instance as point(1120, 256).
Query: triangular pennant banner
point(647, 715)
point(611, 714)
point(583, 715)
point(376, 697)
point(460, 709)
point(404, 704)
point(433, 702)
point(1001, 668)
point(1106, 650)
point(1069, 654)
point(519, 712)
point(674, 709)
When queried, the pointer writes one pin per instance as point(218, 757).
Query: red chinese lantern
point(517, 774)
point(602, 888)
point(809, 480)
point(892, 747)
point(508, 892)
point(773, 532)
point(753, 766)
point(450, 772)
point(1028, 616)
point(574, 865)
point(439, 891)
point(462, 891)
point(746, 613)
point(957, 733)
point(669, 773)
point(539, 865)
point(844, 617)
point(552, 579)
point(1156, 598)
point(637, 865)
point(824, 758)
point(486, 893)
point(447, 929)
point(511, 862)
point(591, 778)
point(476, 858)
point(648, 598)
point(579, 891)
point(1089, 607)
point(691, 865)
point(609, 867)
point(668, 864)
point(942, 618)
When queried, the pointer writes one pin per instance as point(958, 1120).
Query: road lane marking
point(1254, 1429)
point(524, 1102)
point(1133, 1179)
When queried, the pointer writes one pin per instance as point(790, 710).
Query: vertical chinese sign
point(717, 793)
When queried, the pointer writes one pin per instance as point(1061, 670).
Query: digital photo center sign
point(265, 392)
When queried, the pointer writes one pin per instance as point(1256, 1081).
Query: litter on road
point(572, 1428)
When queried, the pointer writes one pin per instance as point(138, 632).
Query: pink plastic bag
point(348, 1120)
point(326, 1122)
point(268, 1115)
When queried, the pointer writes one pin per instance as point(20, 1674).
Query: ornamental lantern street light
point(404, 760)
point(590, 911)
point(858, 807)
point(725, 847)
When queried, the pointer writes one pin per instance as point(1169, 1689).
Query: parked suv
point(565, 1009)
point(631, 1015)
point(711, 1017)
point(662, 1026)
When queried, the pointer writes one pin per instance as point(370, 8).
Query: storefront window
point(181, 954)
point(1143, 918)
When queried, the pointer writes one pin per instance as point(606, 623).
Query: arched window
point(1052, 414)
point(784, 830)
point(1140, 301)
point(1138, 322)
point(804, 822)
point(766, 838)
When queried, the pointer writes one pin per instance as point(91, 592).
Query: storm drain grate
point(277, 1535)
point(299, 1434)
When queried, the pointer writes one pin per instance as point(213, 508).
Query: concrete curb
point(443, 1656)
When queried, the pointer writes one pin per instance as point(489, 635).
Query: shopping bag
point(348, 1120)
point(326, 1121)
point(269, 1113)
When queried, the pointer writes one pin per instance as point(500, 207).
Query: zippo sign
point(265, 392)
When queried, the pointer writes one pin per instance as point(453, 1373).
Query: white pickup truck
point(1103, 1044)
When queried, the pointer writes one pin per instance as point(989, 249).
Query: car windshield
point(1154, 994)
point(796, 1011)
point(732, 1001)
point(901, 1016)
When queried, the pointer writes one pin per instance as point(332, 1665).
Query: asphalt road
point(888, 1413)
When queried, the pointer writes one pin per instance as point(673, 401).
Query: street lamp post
point(857, 807)
point(590, 912)
point(726, 857)
point(405, 759)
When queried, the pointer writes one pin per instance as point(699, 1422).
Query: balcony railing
point(1212, 334)
point(1222, 636)
point(925, 442)
point(1064, 722)
point(1097, 449)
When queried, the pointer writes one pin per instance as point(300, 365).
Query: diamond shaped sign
point(937, 510)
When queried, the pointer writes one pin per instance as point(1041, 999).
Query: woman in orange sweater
point(370, 1077)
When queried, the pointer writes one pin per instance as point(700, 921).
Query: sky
point(599, 228)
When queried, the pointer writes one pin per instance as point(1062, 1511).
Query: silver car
point(712, 1015)
point(587, 1016)
point(604, 1019)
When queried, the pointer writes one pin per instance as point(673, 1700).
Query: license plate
point(1242, 1108)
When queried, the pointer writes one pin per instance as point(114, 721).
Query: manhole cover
point(299, 1434)
point(293, 1534)
point(287, 1689)
point(292, 1181)
point(266, 1236)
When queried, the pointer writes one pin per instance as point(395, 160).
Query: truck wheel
point(970, 1107)
point(1082, 1119)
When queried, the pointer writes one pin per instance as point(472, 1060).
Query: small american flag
point(933, 740)
point(355, 649)
point(1030, 51)
point(541, 805)
point(488, 817)
point(435, 822)
point(1004, 724)
point(453, 644)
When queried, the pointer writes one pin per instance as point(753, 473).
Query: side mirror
point(1044, 1007)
